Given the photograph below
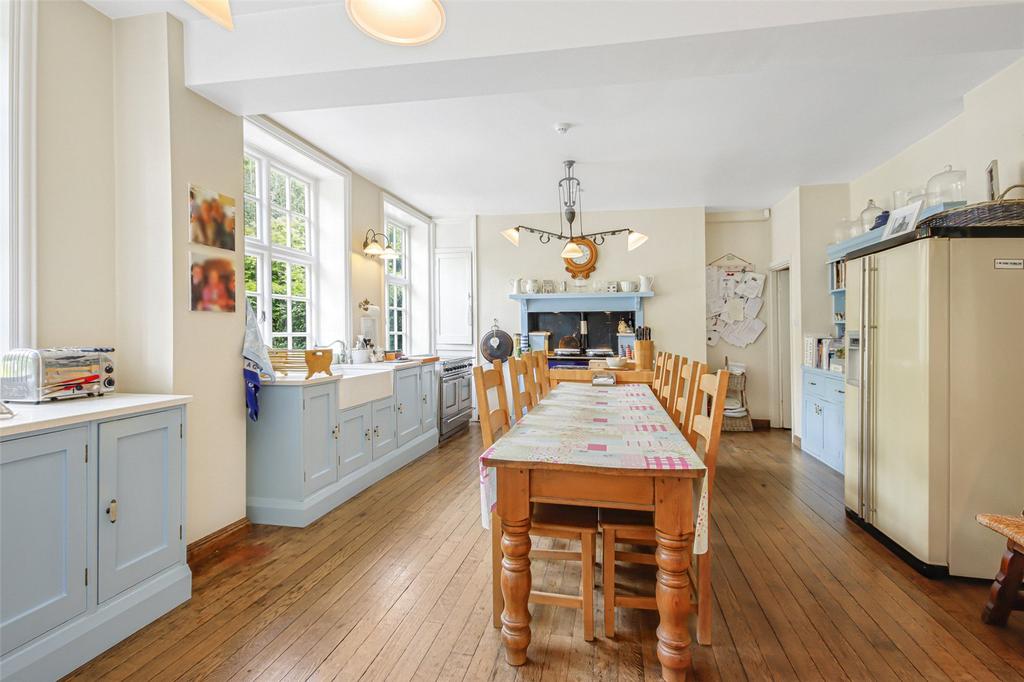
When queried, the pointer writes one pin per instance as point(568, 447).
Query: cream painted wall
point(786, 250)
point(748, 235)
point(674, 256)
point(367, 273)
point(991, 126)
point(75, 176)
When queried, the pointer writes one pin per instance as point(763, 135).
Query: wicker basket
point(1002, 212)
point(738, 389)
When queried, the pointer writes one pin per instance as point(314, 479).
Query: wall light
point(398, 22)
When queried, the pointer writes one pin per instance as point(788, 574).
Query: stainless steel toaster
point(29, 375)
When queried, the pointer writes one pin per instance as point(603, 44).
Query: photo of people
point(212, 282)
point(211, 218)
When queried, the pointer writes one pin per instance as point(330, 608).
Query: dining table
point(606, 447)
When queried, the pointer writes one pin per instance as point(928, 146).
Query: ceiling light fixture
point(398, 22)
point(569, 191)
point(217, 10)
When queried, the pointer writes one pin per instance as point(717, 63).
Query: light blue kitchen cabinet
point(384, 427)
point(140, 522)
point(428, 387)
point(355, 441)
point(823, 420)
point(408, 404)
point(44, 529)
point(319, 436)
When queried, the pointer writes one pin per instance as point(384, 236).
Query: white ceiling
point(724, 104)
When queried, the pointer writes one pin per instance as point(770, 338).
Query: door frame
point(777, 382)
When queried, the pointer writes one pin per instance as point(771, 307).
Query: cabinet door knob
point(424, 398)
point(112, 511)
point(401, 408)
point(336, 431)
point(366, 434)
point(376, 431)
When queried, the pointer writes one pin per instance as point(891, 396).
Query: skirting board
point(65, 648)
point(301, 513)
point(207, 546)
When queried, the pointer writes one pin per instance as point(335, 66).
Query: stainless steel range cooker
point(455, 400)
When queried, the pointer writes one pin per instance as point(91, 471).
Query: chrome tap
point(339, 358)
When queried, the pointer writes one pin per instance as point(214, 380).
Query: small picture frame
point(992, 180)
point(902, 220)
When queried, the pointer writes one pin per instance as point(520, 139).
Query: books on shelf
point(838, 275)
point(824, 352)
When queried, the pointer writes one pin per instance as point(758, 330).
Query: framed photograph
point(992, 180)
point(211, 218)
point(902, 220)
point(211, 283)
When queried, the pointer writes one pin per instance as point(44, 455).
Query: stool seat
point(627, 518)
point(563, 517)
point(1010, 527)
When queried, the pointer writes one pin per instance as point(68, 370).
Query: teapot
point(646, 283)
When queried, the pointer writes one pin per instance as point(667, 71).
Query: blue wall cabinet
point(355, 442)
point(43, 544)
point(824, 396)
point(320, 434)
point(408, 404)
point(140, 531)
point(384, 427)
point(428, 387)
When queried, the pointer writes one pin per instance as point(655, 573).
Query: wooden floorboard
point(395, 585)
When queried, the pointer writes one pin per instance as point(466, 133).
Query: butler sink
point(359, 386)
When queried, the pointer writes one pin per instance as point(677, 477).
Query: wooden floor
point(395, 585)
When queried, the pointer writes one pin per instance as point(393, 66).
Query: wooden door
point(43, 527)
point(319, 437)
point(384, 427)
point(409, 402)
point(140, 531)
point(355, 441)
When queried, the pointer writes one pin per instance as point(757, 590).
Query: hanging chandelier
point(569, 210)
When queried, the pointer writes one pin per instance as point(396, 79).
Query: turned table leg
point(673, 525)
point(1005, 589)
point(516, 582)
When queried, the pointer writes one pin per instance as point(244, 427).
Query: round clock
point(584, 264)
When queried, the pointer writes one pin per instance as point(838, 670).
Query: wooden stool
point(1006, 595)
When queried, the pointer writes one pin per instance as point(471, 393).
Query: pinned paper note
point(734, 300)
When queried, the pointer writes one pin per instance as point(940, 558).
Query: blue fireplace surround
point(580, 303)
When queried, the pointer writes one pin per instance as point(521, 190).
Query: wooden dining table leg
point(516, 581)
point(673, 526)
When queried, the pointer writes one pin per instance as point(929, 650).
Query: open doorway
point(781, 383)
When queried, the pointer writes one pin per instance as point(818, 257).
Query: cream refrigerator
point(935, 395)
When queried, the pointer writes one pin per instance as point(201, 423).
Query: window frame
point(266, 252)
point(402, 281)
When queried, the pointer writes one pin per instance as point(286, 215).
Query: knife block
point(643, 354)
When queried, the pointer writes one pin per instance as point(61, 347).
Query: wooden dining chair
point(659, 371)
point(686, 400)
point(1005, 593)
point(523, 387)
point(548, 520)
point(667, 381)
point(632, 527)
point(542, 376)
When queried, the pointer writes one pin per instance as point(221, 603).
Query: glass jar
point(919, 194)
point(869, 214)
point(947, 186)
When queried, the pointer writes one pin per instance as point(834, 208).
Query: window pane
point(299, 233)
point(391, 295)
point(278, 189)
point(278, 227)
point(251, 273)
point(279, 315)
point(399, 342)
point(298, 316)
point(391, 319)
point(399, 297)
point(254, 303)
point(298, 342)
point(298, 197)
point(278, 277)
point(279, 342)
point(249, 175)
point(249, 209)
point(400, 319)
point(298, 280)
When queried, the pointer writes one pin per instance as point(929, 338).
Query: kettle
point(646, 283)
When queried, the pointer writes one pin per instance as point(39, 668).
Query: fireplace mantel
point(583, 303)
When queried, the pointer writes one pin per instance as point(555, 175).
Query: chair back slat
point(665, 393)
point(522, 387)
point(659, 372)
point(541, 373)
point(493, 422)
point(678, 380)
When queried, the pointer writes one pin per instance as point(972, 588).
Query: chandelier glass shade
point(377, 244)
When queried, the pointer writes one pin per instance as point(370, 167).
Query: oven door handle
point(460, 415)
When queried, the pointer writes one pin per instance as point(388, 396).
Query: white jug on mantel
point(646, 283)
point(517, 285)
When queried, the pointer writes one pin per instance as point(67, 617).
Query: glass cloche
point(947, 186)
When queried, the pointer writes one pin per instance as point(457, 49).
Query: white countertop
point(32, 417)
point(299, 379)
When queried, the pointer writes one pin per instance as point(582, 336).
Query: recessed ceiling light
point(398, 22)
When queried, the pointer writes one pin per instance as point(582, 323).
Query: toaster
point(29, 375)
